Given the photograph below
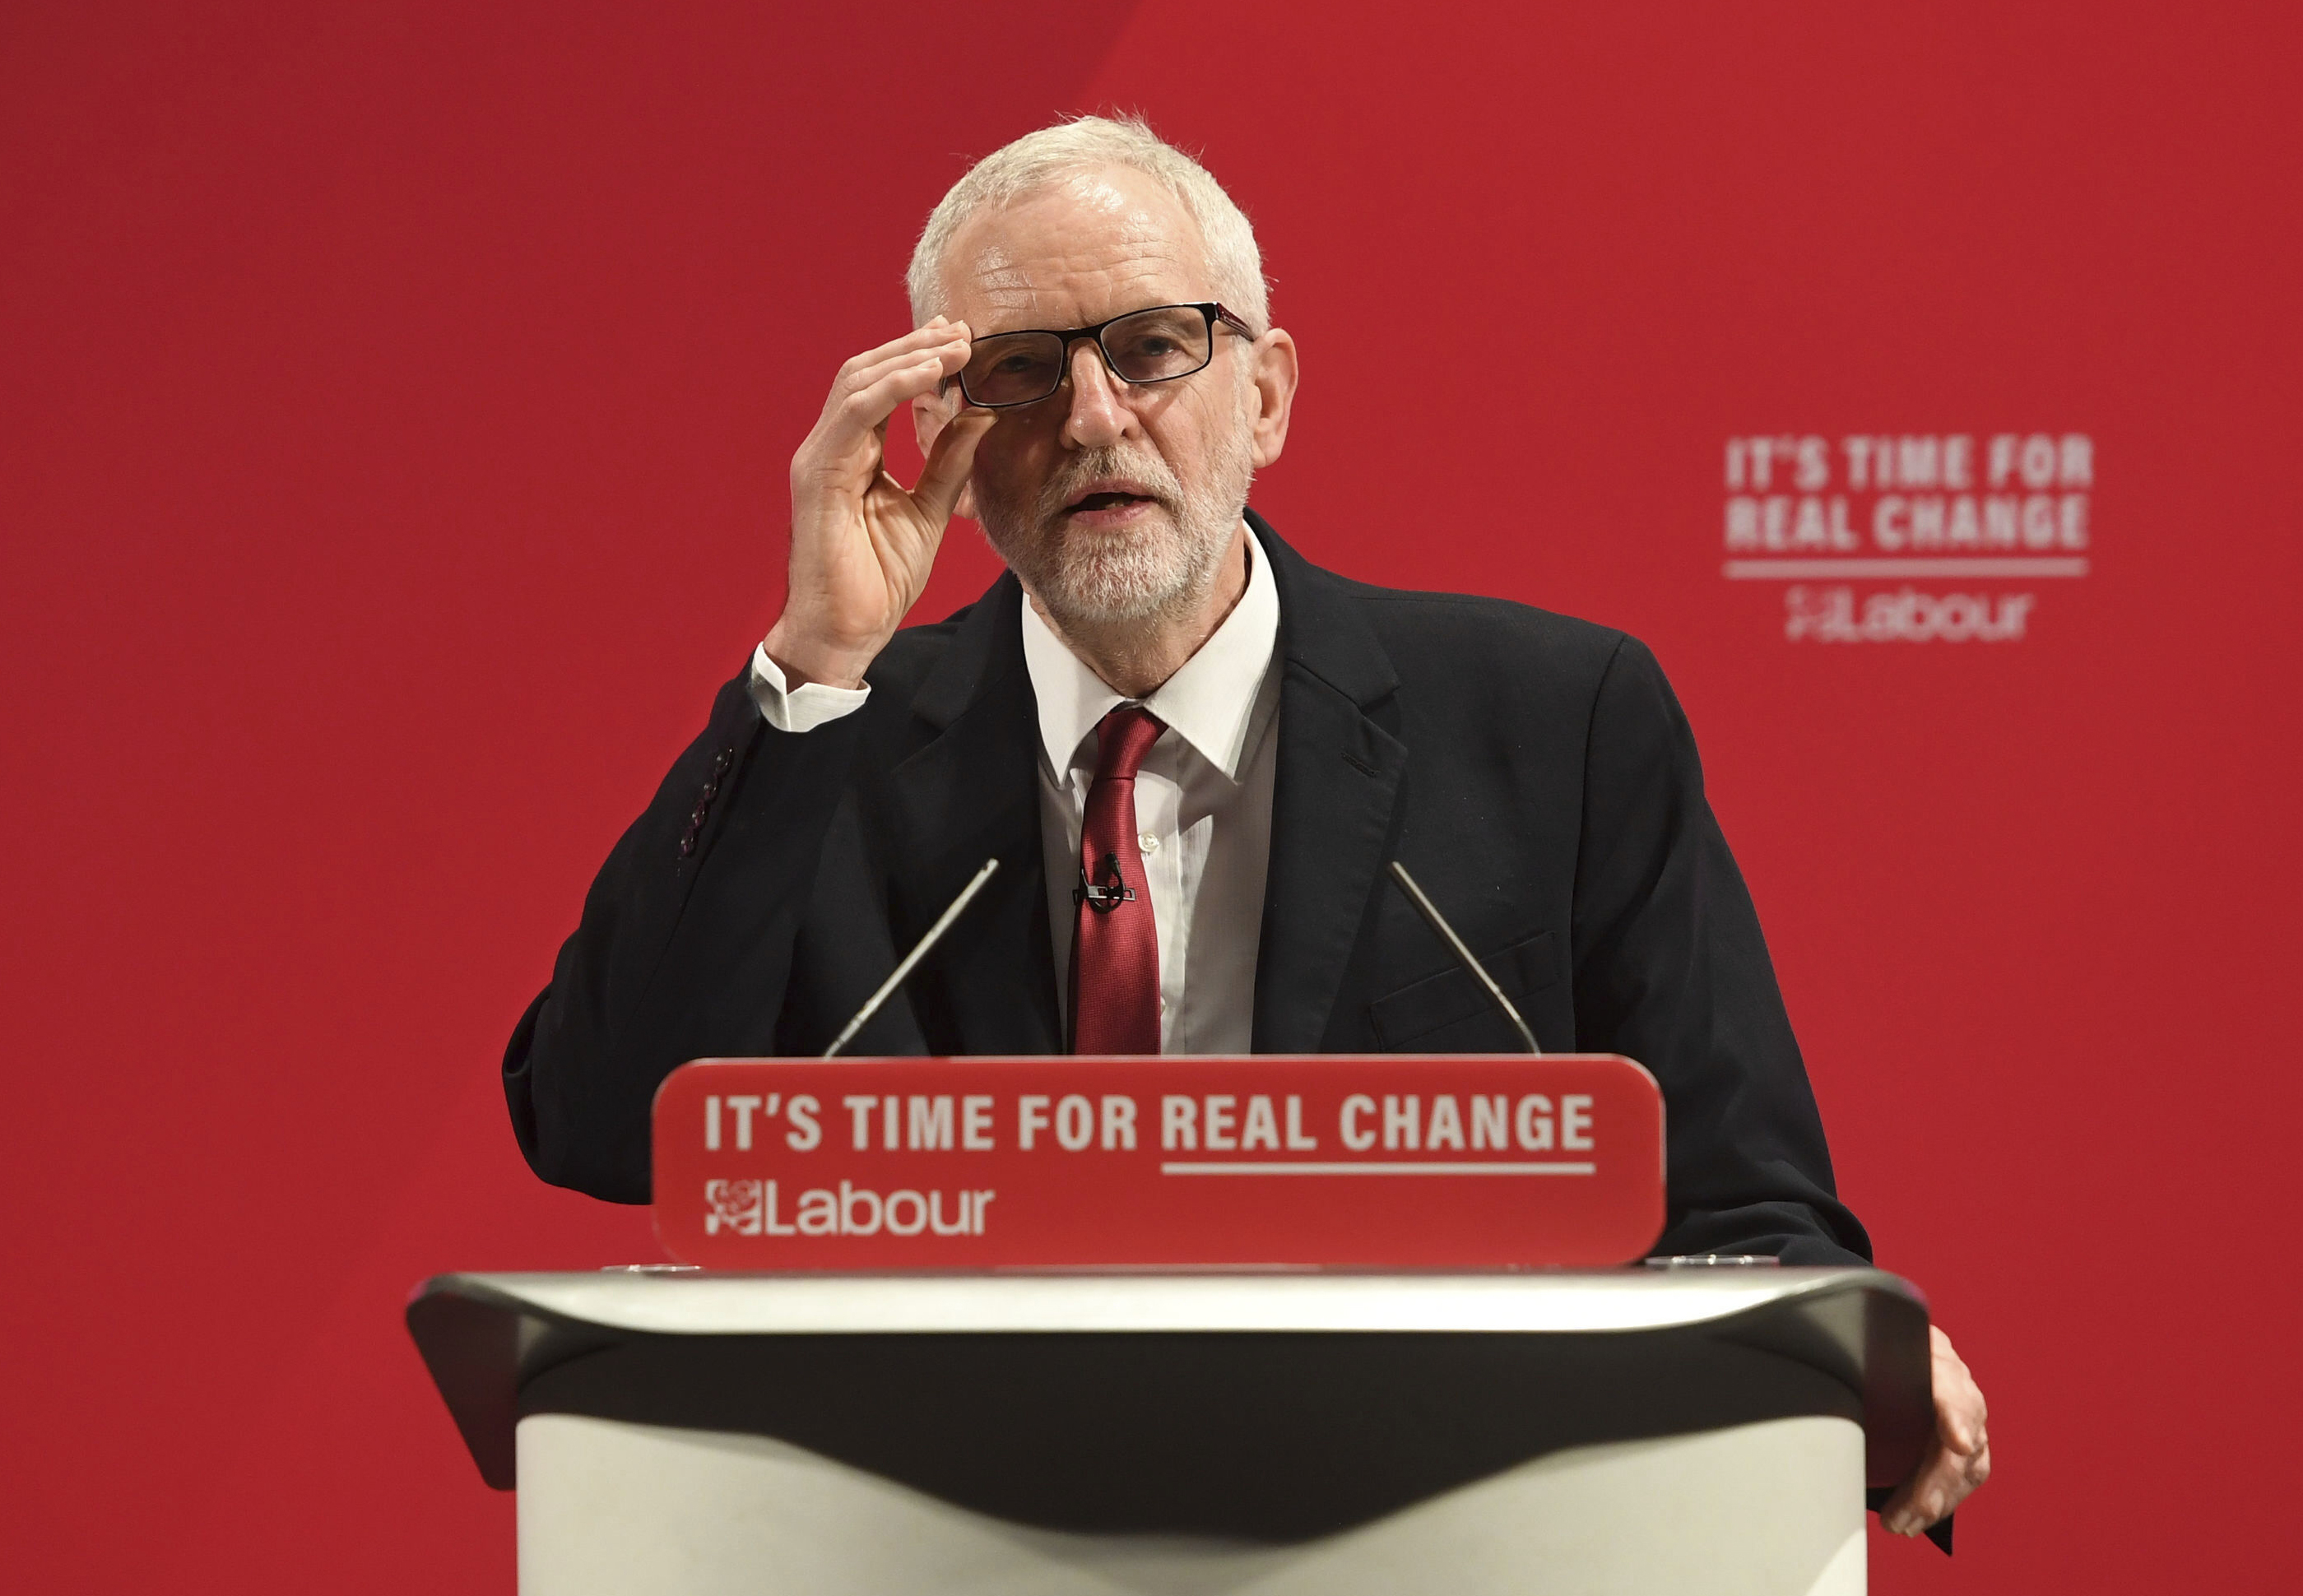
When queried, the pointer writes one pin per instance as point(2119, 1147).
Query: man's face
point(1112, 502)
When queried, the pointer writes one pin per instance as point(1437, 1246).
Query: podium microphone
point(1438, 923)
point(919, 951)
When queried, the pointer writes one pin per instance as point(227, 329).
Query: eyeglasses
point(1157, 345)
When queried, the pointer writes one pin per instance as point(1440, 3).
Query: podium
point(1695, 1430)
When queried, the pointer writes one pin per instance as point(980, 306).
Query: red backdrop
point(395, 408)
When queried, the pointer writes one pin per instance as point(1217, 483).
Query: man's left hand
point(1959, 1458)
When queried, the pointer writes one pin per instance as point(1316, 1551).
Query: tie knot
point(1125, 736)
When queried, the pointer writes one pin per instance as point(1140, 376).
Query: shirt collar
point(1210, 703)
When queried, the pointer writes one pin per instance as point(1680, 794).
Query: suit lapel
point(969, 794)
point(1335, 788)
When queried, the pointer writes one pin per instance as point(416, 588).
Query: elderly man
point(1192, 751)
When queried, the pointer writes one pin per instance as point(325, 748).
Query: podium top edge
point(1559, 1301)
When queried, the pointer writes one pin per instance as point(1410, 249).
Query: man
point(1191, 751)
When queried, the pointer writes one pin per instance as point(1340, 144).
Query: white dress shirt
point(1203, 802)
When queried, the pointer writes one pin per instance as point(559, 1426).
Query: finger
point(866, 410)
point(952, 352)
point(1915, 1506)
point(936, 330)
point(1960, 1413)
point(1897, 1516)
point(1934, 1491)
point(840, 416)
point(1938, 1497)
point(947, 358)
point(1955, 1425)
point(949, 460)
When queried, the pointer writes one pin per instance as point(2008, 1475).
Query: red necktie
point(1116, 943)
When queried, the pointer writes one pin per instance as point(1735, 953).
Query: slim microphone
point(1438, 923)
point(895, 979)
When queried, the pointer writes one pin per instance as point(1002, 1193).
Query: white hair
point(1082, 144)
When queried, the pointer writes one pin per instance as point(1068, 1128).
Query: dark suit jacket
point(1533, 771)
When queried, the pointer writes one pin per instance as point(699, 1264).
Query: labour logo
point(734, 1206)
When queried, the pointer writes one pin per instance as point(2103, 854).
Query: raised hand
point(862, 546)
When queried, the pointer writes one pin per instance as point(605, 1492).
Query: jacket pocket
point(1452, 996)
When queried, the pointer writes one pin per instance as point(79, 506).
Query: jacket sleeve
point(685, 948)
point(1671, 969)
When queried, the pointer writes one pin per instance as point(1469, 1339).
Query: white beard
point(1164, 568)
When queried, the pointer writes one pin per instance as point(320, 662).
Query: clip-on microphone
point(1110, 893)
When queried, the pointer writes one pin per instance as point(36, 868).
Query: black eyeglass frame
point(1213, 309)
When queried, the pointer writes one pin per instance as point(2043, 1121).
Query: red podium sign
point(1457, 1161)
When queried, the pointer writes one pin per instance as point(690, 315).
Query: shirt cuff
point(802, 708)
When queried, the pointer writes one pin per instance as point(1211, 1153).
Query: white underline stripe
point(1376, 1169)
point(1785, 570)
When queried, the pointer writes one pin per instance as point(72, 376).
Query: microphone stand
point(1438, 923)
point(895, 979)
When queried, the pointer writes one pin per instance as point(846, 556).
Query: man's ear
point(930, 416)
point(1275, 376)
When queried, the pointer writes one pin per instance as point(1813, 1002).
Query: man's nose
point(1099, 415)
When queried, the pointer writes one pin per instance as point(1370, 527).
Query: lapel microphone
point(1106, 893)
point(1438, 923)
point(920, 950)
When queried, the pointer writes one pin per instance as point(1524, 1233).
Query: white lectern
point(1620, 1431)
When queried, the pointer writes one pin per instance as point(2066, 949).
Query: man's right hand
point(862, 546)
